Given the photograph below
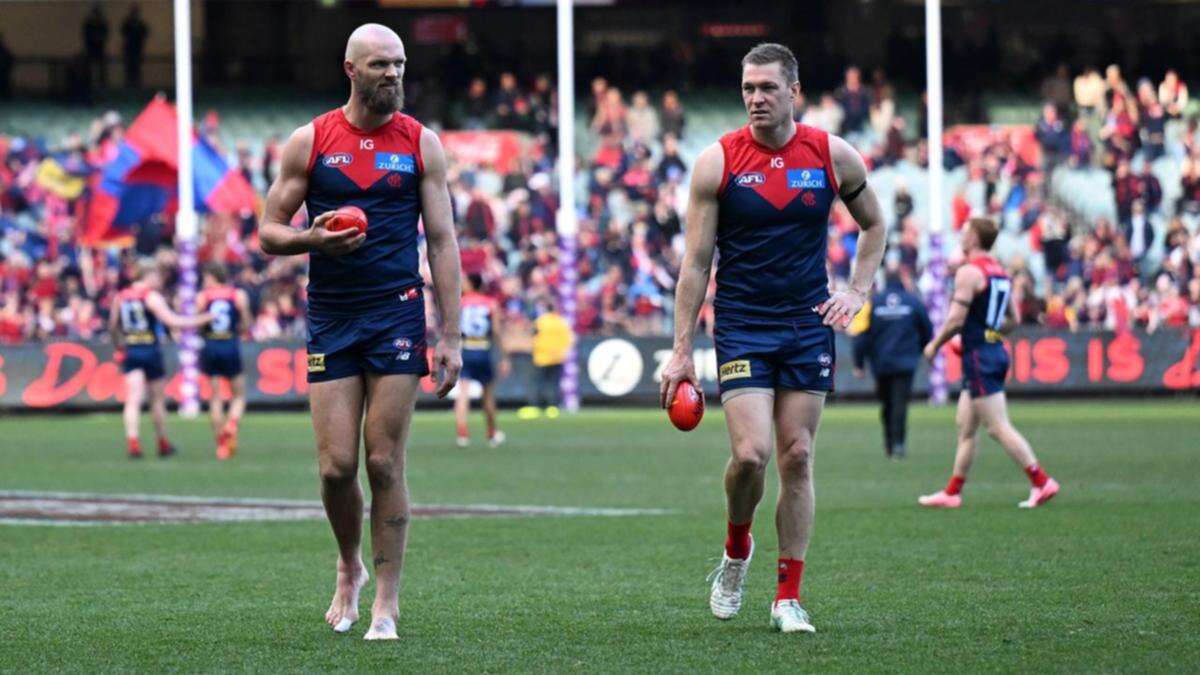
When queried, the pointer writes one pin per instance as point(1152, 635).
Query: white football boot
point(728, 583)
point(787, 616)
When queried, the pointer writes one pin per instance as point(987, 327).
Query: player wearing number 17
point(762, 197)
point(978, 309)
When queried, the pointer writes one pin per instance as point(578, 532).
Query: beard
point(383, 100)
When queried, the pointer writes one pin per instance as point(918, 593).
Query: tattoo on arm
point(380, 559)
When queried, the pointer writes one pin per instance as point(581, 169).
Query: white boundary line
point(273, 509)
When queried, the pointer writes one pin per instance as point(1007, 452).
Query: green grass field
point(1105, 578)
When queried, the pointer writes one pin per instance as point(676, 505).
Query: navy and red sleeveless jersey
point(772, 224)
point(138, 324)
point(378, 171)
point(988, 309)
point(221, 302)
point(476, 320)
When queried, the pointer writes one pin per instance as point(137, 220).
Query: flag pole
point(185, 219)
point(567, 223)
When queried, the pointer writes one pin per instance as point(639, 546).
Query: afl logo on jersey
point(338, 159)
point(748, 179)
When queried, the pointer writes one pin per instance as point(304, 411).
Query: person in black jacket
point(899, 327)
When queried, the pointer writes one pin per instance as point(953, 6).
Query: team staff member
point(898, 328)
point(552, 339)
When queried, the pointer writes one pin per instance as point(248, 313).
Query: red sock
point(791, 572)
point(135, 446)
point(737, 541)
point(163, 444)
point(462, 430)
point(955, 485)
point(1037, 477)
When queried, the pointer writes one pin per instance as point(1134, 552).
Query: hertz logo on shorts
point(734, 370)
point(993, 336)
point(316, 363)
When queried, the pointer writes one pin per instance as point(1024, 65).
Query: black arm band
point(846, 199)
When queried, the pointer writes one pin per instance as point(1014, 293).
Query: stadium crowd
point(1143, 268)
point(1070, 273)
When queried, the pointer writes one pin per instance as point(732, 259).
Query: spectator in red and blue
point(1119, 132)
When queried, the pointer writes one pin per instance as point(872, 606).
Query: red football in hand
point(687, 408)
point(346, 218)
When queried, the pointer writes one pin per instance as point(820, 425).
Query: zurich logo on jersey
point(391, 161)
point(747, 179)
point(806, 179)
point(338, 159)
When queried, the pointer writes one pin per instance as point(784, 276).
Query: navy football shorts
point(389, 341)
point(477, 365)
point(773, 353)
point(984, 370)
point(221, 358)
point(146, 358)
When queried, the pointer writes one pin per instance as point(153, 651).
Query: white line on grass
point(21, 507)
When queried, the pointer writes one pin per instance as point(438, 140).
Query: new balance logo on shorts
point(734, 370)
point(403, 345)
